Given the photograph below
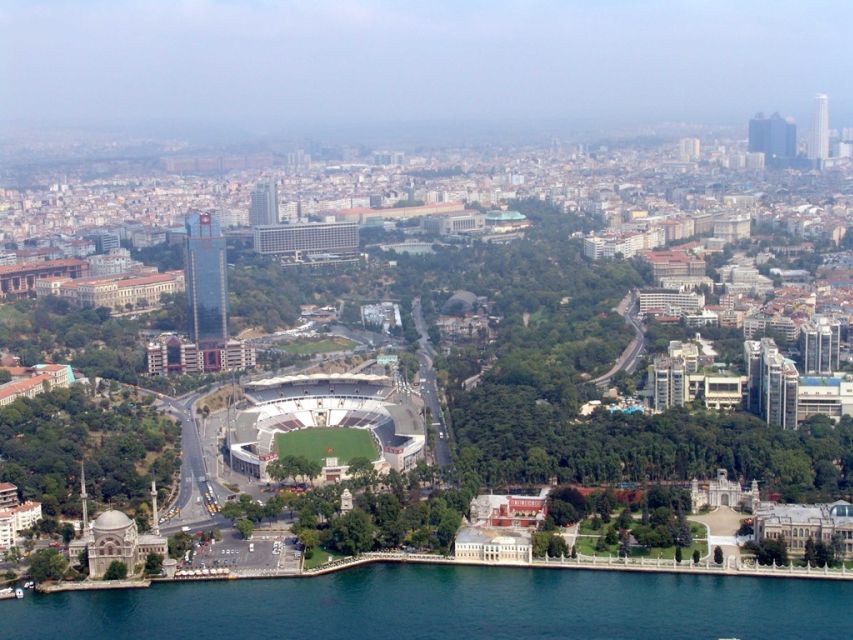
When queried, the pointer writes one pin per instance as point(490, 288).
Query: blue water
point(402, 602)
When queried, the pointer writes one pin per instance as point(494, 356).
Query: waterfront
point(426, 602)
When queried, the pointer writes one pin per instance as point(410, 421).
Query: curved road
point(628, 360)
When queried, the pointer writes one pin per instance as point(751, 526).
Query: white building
point(15, 519)
point(723, 492)
point(819, 142)
point(493, 546)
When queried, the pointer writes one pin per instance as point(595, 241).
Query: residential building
point(670, 301)
point(15, 519)
point(104, 241)
point(8, 495)
point(264, 207)
point(777, 385)
point(626, 245)
point(207, 286)
point(28, 382)
point(733, 228)
point(669, 383)
point(820, 344)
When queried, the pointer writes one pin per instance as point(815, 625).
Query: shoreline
point(609, 564)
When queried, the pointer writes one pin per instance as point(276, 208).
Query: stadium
point(330, 418)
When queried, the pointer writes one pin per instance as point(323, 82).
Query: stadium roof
point(316, 377)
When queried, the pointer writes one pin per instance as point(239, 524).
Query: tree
point(557, 546)
point(696, 556)
point(678, 554)
point(352, 533)
point(309, 538)
point(116, 571)
point(245, 527)
point(153, 564)
point(47, 564)
point(574, 551)
point(718, 555)
point(810, 554)
point(540, 540)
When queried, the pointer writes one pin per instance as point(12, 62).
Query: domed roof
point(111, 521)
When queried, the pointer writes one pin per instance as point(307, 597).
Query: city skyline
point(291, 67)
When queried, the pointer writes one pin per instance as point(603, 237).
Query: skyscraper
point(206, 278)
point(819, 143)
point(775, 137)
point(264, 208)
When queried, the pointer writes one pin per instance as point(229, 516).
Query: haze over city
point(291, 66)
point(475, 318)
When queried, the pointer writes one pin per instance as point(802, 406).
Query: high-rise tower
point(264, 208)
point(206, 276)
point(775, 137)
point(819, 143)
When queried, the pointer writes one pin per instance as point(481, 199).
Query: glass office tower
point(207, 286)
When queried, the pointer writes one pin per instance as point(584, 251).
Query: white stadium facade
point(324, 401)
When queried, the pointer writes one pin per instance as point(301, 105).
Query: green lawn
point(586, 546)
point(319, 443)
point(324, 345)
point(321, 557)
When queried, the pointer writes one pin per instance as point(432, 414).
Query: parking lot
point(274, 555)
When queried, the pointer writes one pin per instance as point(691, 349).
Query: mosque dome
point(111, 521)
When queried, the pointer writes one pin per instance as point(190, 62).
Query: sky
point(269, 66)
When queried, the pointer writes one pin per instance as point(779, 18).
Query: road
point(627, 361)
point(429, 388)
point(195, 479)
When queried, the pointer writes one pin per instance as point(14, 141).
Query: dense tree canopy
point(44, 439)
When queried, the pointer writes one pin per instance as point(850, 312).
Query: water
point(403, 602)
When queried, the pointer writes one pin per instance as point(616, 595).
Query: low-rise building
point(15, 519)
point(670, 301)
point(493, 546)
point(722, 492)
point(509, 511)
point(28, 382)
point(171, 354)
point(472, 222)
point(116, 293)
point(831, 524)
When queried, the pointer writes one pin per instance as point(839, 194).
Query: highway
point(627, 361)
point(429, 388)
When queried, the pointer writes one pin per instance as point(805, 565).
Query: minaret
point(155, 518)
point(83, 497)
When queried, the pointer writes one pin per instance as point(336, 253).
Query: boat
point(19, 593)
point(7, 593)
point(29, 585)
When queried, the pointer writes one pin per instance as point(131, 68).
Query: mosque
point(113, 536)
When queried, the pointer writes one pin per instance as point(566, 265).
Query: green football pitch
point(319, 443)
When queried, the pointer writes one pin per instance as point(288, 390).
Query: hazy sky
point(277, 65)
